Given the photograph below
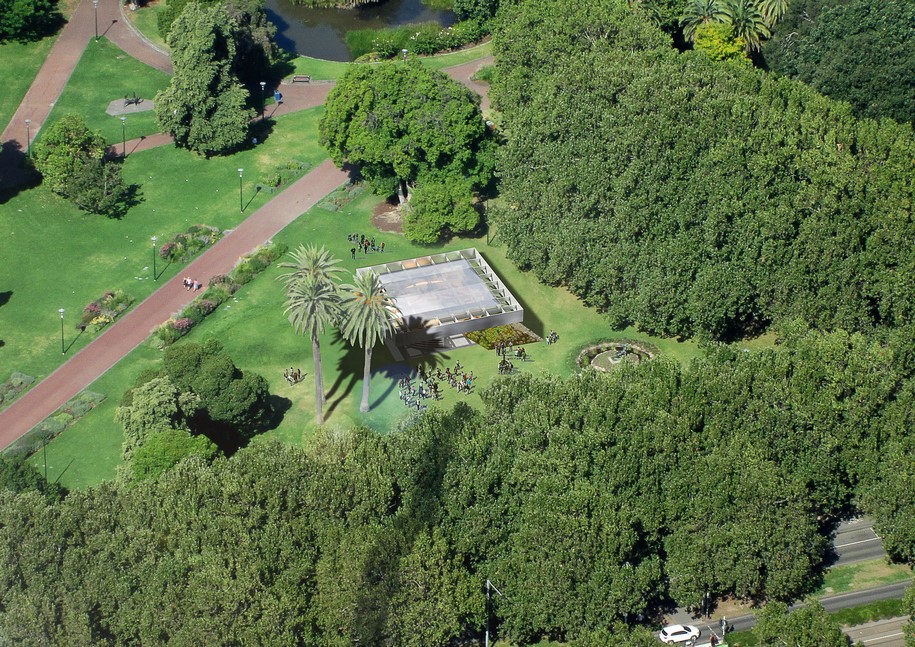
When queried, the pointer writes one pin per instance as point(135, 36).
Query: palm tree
point(699, 12)
point(748, 22)
point(315, 262)
point(773, 10)
point(313, 306)
point(368, 315)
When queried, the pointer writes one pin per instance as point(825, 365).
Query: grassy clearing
point(144, 19)
point(321, 70)
point(105, 74)
point(450, 59)
point(56, 256)
point(21, 62)
point(879, 610)
point(259, 338)
point(862, 575)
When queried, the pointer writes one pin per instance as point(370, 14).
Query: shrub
point(183, 325)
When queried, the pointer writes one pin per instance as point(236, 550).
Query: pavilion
point(443, 296)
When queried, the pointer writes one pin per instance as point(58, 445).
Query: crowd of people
point(364, 244)
point(428, 384)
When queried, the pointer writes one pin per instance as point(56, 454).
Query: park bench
point(301, 78)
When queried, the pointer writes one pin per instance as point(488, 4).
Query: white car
point(678, 634)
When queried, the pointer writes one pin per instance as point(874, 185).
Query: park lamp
point(404, 52)
point(241, 206)
point(62, 349)
point(154, 239)
point(95, 6)
point(124, 134)
point(263, 85)
point(28, 137)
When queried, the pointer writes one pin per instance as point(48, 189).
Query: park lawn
point(145, 20)
point(440, 61)
point(862, 575)
point(258, 336)
point(321, 70)
point(105, 74)
point(21, 62)
point(56, 256)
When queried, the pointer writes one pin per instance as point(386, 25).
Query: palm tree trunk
point(319, 379)
point(366, 376)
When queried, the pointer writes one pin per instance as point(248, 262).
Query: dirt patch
point(386, 217)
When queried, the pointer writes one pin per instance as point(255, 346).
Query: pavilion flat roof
point(442, 289)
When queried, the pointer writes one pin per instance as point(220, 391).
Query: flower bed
point(183, 247)
point(219, 290)
point(104, 310)
point(13, 387)
point(514, 333)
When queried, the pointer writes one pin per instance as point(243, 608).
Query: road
point(882, 633)
point(856, 541)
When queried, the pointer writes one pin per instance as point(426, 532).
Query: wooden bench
point(301, 78)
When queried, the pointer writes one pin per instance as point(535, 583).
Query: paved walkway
point(133, 328)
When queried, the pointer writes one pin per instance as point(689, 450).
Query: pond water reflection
point(320, 32)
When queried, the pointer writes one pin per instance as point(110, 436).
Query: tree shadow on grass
point(278, 407)
point(349, 369)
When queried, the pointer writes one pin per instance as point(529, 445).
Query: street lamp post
point(241, 206)
point(404, 52)
point(263, 101)
point(124, 134)
point(62, 349)
point(95, 6)
point(28, 137)
point(489, 585)
point(155, 275)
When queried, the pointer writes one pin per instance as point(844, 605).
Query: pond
point(320, 32)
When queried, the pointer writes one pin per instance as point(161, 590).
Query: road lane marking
point(852, 543)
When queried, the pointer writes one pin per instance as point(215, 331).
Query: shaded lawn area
point(105, 74)
point(321, 70)
point(21, 62)
point(258, 336)
point(56, 256)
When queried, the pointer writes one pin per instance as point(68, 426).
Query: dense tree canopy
point(204, 105)
point(648, 482)
point(25, 20)
point(689, 196)
point(809, 626)
point(860, 51)
point(403, 126)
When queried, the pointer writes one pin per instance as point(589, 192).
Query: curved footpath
point(134, 327)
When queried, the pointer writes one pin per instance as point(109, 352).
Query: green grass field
point(57, 256)
point(21, 62)
point(862, 575)
point(321, 70)
point(105, 74)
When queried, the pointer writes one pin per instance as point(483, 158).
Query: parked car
point(678, 634)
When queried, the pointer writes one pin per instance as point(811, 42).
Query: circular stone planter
point(607, 355)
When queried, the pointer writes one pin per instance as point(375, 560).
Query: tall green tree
point(809, 626)
point(368, 315)
point(71, 160)
point(748, 22)
point(25, 20)
point(204, 105)
point(403, 125)
point(313, 304)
